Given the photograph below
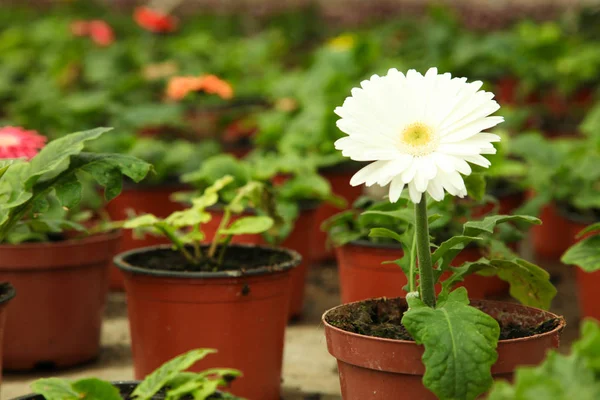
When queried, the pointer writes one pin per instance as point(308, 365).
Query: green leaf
point(405, 215)
point(460, 345)
point(385, 233)
point(69, 191)
point(559, 377)
point(143, 221)
point(585, 254)
point(96, 389)
point(55, 389)
point(249, 225)
point(475, 184)
point(189, 217)
point(5, 164)
point(455, 243)
point(487, 225)
point(52, 158)
point(107, 169)
point(165, 373)
point(588, 229)
point(529, 283)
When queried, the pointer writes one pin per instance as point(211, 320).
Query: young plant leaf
point(96, 389)
point(460, 345)
point(585, 254)
point(455, 243)
point(385, 233)
point(55, 389)
point(588, 229)
point(169, 370)
point(249, 226)
point(487, 225)
point(69, 191)
point(529, 284)
point(53, 158)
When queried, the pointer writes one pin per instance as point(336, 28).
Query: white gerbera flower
point(420, 131)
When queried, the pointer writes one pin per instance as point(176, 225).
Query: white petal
point(415, 195)
point(435, 190)
point(396, 188)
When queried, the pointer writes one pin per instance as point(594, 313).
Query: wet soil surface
point(382, 318)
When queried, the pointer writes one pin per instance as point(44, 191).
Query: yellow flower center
point(418, 139)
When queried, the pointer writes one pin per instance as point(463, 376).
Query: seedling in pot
point(184, 228)
point(170, 381)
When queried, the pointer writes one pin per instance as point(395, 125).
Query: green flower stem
point(178, 243)
point(413, 261)
point(427, 286)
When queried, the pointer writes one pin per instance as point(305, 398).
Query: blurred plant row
point(181, 91)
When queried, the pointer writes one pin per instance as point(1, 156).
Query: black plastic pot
point(126, 388)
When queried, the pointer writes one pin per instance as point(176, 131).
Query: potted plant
point(7, 292)
point(297, 192)
point(430, 346)
point(585, 254)
point(364, 266)
point(171, 158)
point(229, 296)
point(563, 177)
point(560, 376)
point(172, 380)
point(57, 265)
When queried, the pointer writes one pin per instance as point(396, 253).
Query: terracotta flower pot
point(378, 369)
point(297, 241)
point(140, 199)
point(7, 292)
point(242, 315)
point(507, 203)
point(363, 276)
point(551, 239)
point(56, 319)
point(339, 179)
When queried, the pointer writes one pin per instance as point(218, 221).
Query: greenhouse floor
point(309, 371)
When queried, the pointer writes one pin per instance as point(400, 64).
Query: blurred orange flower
point(181, 86)
point(99, 31)
point(155, 21)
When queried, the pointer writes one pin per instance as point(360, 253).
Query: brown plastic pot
point(379, 369)
point(7, 292)
point(140, 199)
point(339, 178)
point(551, 239)
point(56, 319)
point(241, 314)
point(363, 276)
point(298, 240)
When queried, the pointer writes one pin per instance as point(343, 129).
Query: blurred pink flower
point(99, 31)
point(16, 142)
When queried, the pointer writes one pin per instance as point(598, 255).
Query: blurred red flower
point(16, 142)
point(99, 31)
point(155, 21)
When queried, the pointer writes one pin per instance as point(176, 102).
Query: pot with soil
point(297, 240)
point(240, 309)
point(363, 274)
point(7, 292)
point(57, 263)
point(62, 292)
point(140, 199)
point(377, 358)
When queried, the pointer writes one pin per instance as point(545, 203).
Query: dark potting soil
point(382, 318)
point(236, 258)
